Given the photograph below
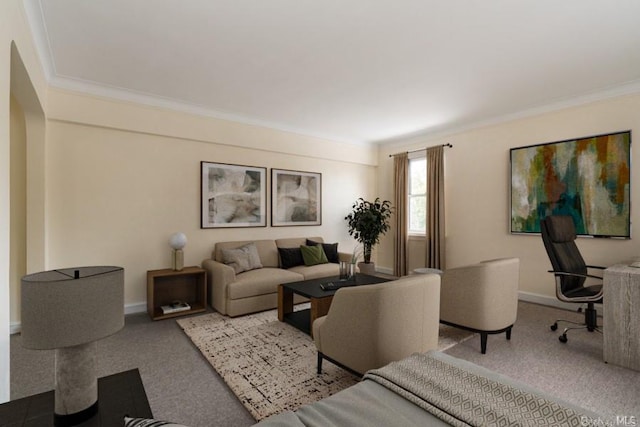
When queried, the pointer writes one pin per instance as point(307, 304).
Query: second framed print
point(233, 196)
point(296, 198)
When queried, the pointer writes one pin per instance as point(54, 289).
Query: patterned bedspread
point(462, 398)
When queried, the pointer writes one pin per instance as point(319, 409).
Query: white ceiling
point(350, 70)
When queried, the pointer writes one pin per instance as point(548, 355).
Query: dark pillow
point(290, 257)
point(330, 249)
point(313, 255)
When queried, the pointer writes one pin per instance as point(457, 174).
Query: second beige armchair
point(369, 326)
point(481, 297)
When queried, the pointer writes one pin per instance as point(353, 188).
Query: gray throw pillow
point(244, 258)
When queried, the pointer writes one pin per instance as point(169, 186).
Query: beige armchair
point(481, 298)
point(369, 326)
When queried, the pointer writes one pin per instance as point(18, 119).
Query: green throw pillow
point(313, 255)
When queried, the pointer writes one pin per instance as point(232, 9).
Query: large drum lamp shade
point(69, 310)
point(62, 310)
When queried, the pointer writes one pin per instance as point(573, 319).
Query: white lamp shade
point(62, 310)
point(178, 241)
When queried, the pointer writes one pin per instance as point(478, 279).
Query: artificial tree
point(367, 222)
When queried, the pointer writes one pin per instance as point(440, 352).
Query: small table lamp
point(69, 310)
point(177, 242)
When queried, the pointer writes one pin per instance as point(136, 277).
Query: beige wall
point(477, 188)
point(116, 192)
point(18, 196)
point(22, 76)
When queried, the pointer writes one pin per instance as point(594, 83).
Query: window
point(418, 196)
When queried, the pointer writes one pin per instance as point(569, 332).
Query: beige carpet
point(270, 365)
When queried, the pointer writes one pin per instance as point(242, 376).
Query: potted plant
point(367, 222)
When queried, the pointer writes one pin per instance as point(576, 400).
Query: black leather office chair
point(570, 271)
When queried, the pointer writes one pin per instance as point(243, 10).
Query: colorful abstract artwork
point(586, 178)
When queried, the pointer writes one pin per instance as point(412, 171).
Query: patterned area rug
point(270, 365)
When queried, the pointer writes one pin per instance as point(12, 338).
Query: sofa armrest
point(219, 276)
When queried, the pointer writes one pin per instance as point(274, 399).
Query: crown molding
point(628, 88)
point(34, 14)
point(35, 20)
point(157, 101)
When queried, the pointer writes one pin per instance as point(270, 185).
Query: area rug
point(270, 365)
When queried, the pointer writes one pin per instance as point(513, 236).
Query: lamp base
point(75, 419)
point(177, 260)
point(76, 391)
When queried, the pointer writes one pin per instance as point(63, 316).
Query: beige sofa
point(371, 325)
point(481, 297)
point(257, 290)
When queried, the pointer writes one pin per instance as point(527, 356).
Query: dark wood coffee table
point(320, 300)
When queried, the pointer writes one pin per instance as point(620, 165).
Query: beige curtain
point(401, 177)
point(435, 254)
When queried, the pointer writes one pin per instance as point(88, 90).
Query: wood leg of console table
point(285, 302)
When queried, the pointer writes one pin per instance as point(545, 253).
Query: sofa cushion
point(296, 242)
point(244, 258)
point(260, 282)
point(313, 255)
point(330, 249)
point(267, 250)
point(317, 271)
point(290, 257)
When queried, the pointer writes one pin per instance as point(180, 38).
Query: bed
point(435, 389)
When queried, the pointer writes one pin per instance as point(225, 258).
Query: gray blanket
point(408, 393)
point(462, 398)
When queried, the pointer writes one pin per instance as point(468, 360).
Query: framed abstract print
point(233, 196)
point(296, 198)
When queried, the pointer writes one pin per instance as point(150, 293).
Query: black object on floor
point(118, 395)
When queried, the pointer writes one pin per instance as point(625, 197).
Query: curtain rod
point(413, 151)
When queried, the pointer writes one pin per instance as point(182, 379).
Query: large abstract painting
point(233, 196)
point(587, 178)
point(296, 198)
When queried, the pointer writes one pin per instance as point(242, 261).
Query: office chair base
point(563, 338)
point(590, 323)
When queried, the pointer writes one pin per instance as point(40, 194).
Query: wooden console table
point(118, 395)
point(166, 285)
point(621, 327)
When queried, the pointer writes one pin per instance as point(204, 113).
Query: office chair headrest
point(561, 228)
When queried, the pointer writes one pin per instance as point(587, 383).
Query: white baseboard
point(529, 297)
point(554, 302)
point(140, 307)
point(385, 270)
point(545, 300)
point(14, 328)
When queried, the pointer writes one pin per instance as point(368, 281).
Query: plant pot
point(367, 267)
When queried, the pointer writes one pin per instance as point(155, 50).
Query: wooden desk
point(118, 395)
point(621, 325)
